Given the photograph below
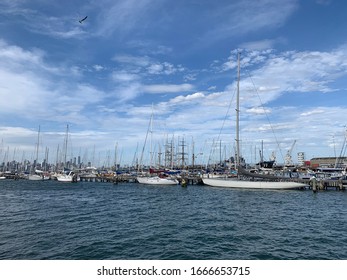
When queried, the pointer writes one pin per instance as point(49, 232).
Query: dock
point(109, 179)
point(192, 179)
point(325, 184)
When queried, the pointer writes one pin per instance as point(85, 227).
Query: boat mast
point(151, 141)
point(65, 144)
point(238, 113)
point(115, 156)
point(37, 148)
point(149, 130)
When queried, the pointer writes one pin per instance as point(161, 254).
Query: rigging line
point(144, 145)
point(267, 116)
point(226, 115)
point(221, 129)
point(343, 151)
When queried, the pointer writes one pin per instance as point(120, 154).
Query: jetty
point(192, 178)
point(123, 178)
point(312, 184)
point(326, 184)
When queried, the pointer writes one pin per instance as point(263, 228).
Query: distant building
point(328, 162)
point(301, 158)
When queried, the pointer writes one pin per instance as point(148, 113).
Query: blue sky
point(105, 76)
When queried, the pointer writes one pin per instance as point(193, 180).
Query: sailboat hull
point(65, 178)
point(71, 177)
point(156, 181)
point(35, 177)
point(247, 184)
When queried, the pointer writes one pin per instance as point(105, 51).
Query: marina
point(171, 164)
point(169, 139)
point(190, 179)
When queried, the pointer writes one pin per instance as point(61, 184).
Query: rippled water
point(53, 220)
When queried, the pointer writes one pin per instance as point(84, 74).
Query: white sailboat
point(156, 180)
point(64, 176)
point(68, 178)
point(39, 175)
point(150, 179)
point(246, 180)
point(36, 175)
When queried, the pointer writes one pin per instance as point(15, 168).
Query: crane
point(288, 159)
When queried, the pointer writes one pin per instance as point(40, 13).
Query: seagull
point(83, 19)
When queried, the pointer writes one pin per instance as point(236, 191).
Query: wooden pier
point(109, 179)
point(190, 180)
point(325, 184)
point(187, 180)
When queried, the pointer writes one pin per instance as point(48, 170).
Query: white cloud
point(155, 69)
point(198, 96)
point(168, 88)
point(266, 75)
point(124, 77)
point(126, 92)
point(98, 67)
point(264, 44)
point(8, 130)
point(313, 112)
point(142, 61)
point(258, 111)
point(34, 90)
point(121, 16)
point(74, 32)
point(147, 65)
point(163, 68)
point(190, 77)
point(247, 16)
point(13, 57)
point(23, 93)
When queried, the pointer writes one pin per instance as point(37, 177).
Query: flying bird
point(83, 19)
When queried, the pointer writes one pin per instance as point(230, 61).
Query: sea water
point(100, 221)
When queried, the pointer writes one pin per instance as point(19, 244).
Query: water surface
point(54, 220)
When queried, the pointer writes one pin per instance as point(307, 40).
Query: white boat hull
point(156, 181)
point(66, 178)
point(246, 184)
point(35, 177)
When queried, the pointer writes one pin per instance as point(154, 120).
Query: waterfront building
point(336, 162)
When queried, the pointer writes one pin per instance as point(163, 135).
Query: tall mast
point(151, 140)
point(115, 156)
point(238, 113)
point(149, 130)
point(65, 144)
point(37, 147)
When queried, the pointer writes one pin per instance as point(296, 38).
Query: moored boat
point(247, 180)
point(68, 178)
point(248, 184)
point(156, 180)
point(35, 177)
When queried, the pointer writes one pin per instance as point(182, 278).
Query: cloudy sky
point(178, 59)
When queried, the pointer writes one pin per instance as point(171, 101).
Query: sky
point(177, 62)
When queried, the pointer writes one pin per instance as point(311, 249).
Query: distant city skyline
point(105, 76)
